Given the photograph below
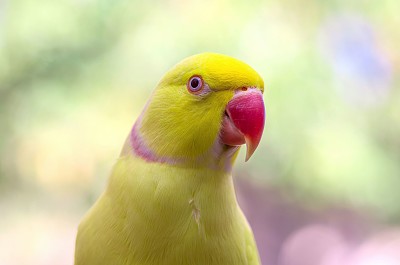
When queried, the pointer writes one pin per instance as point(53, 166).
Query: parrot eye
point(195, 84)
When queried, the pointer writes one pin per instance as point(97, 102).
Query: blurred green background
point(322, 188)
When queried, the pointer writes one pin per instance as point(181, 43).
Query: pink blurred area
point(289, 233)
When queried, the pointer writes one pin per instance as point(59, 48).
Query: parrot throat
point(219, 157)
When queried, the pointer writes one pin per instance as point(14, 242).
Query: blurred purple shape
point(314, 245)
point(363, 72)
point(288, 231)
point(382, 249)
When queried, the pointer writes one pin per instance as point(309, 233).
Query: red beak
point(244, 120)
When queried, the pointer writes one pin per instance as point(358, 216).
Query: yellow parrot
point(170, 198)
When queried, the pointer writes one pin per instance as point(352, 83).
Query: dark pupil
point(194, 83)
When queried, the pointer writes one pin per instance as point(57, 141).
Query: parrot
point(170, 197)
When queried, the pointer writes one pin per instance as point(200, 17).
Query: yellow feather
point(184, 210)
point(159, 214)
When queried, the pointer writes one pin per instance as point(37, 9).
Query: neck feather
point(218, 157)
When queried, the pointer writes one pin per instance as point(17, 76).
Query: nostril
point(244, 88)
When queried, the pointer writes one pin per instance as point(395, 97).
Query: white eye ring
point(195, 84)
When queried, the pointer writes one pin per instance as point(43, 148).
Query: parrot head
point(201, 112)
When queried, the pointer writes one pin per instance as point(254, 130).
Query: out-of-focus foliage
point(74, 75)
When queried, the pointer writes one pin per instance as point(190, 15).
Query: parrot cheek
point(244, 119)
